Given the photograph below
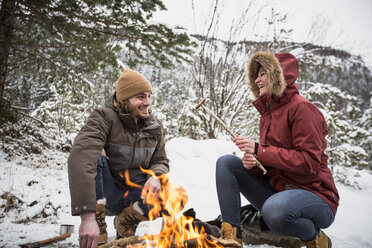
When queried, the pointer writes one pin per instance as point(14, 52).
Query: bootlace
point(129, 223)
point(100, 217)
point(102, 227)
point(313, 244)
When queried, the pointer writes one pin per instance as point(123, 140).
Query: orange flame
point(125, 175)
point(176, 231)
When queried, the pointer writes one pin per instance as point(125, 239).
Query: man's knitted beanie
point(130, 84)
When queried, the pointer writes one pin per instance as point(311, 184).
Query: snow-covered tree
point(344, 134)
point(366, 124)
point(60, 43)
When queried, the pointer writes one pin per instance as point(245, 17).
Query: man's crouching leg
point(127, 221)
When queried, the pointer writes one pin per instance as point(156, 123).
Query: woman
point(297, 197)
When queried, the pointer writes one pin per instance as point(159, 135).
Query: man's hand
point(244, 144)
point(88, 231)
point(152, 188)
point(249, 161)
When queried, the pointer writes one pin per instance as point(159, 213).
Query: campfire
point(178, 230)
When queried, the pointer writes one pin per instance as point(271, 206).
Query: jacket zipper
point(134, 149)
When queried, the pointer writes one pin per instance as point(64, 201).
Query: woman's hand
point(249, 161)
point(245, 144)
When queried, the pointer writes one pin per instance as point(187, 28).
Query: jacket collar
point(269, 103)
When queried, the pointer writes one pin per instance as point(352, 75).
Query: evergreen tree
point(344, 137)
point(366, 122)
point(66, 43)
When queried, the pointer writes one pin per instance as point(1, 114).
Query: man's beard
point(130, 109)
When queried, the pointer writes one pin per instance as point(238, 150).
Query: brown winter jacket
point(292, 130)
point(127, 145)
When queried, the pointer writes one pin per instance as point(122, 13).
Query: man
point(124, 131)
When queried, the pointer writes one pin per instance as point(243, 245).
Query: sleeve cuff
point(255, 148)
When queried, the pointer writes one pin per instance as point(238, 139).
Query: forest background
point(61, 59)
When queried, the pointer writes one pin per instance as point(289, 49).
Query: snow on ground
point(42, 192)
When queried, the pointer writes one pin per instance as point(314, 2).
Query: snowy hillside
point(35, 201)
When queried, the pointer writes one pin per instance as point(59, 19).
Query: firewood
point(123, 242)
point(191, 243)
point(211, 242)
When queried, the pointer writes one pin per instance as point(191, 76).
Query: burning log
point(138, 242)
point(177, 232)
point(211, 241)
point(208, 239)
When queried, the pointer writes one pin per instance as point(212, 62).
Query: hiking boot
point(127, 221)
point(321, 241)
point(100, 218)
point(230, 236)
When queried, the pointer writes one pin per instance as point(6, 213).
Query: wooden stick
point(219, 120)
point(47, 241)
point(200, 104)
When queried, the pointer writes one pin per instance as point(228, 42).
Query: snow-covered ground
point(44, 191)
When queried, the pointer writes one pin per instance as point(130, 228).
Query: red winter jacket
point(292, 130)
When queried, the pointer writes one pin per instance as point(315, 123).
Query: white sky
point(343, 24)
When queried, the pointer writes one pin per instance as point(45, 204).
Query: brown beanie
point(131, 83)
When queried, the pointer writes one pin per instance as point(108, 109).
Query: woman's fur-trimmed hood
point(281, 68)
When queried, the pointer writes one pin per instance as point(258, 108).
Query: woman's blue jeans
point(114, 194)
point(295, 212)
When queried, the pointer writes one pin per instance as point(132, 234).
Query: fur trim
point(101, 201)
point(274, 71)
